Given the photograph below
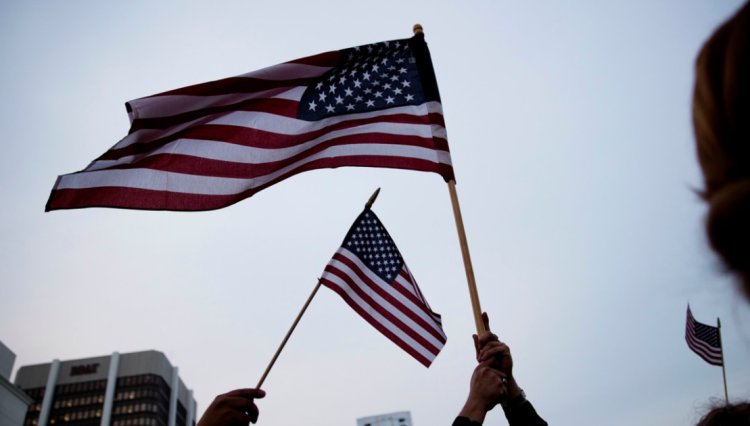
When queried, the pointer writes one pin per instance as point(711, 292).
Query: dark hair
point(721, 119)
point(727, 415)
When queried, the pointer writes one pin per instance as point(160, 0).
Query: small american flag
point(211, 145)
point(704, 340)
point(368, 272)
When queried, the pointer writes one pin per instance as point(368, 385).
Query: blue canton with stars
point(368, 78)
point(372, 244)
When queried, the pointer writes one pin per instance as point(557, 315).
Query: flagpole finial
point(372, 199)
point(417, 29)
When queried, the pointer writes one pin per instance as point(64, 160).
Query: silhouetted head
point(727, 415)
point(721, 119)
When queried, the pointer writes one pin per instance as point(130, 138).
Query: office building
point(401, 418)
point(13, 401)
point(132, 389)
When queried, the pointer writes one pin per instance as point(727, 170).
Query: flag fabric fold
point(369, 273)
point(704, 340)
point(210, 145)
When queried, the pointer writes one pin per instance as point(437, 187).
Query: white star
point(409, 97)
point(350, 107)
point(319, 85)
point(330, 108)
point(378, 94)
point(312, 105)
point(357, 83)
point(322, 96)
point(332, 89)
point(370, 103)
point(375, 68)
point(397, 91)
point(389, 100)
point(366, 75)
point(342, 80)
point(387, 86)
point(358, 99)
point(348, 92)
point(406, 83)
point(339, 100)
point(402, 70)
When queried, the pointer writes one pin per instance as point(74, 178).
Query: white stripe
point(208, 185)
point(226, 151)
point(293, 94)
point(379, 300)
point(338, 282)
point(418, 310)
point(293, 126)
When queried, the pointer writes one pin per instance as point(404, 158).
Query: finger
point(237, 403)
point(253, 413)
point(248, 393)
point(491, 353)
point(476, 343)
point(486, 321)
point(235, 418)
point(486, 337)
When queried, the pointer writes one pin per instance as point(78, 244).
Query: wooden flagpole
point(473, 294)
point(723, 368)
point(288, 333)
point(302, 311)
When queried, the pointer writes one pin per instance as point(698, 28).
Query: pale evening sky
point(569, 127)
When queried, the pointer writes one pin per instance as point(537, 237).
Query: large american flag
point(210, 145)
point(703, 339)
point(368, 272)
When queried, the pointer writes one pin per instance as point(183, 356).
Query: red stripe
point(325, 59)
point(380, 327)
point(276, 106)
point(250, 84)
point(378, 307)
point(143, 199)
point(231, 85)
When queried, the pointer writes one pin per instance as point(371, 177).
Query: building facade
point(13, 401)
point(401, 418)
point(132, 389)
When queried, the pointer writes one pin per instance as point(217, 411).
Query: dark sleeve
point(464, 421)
point(523, 414)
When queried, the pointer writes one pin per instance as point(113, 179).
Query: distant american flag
point(208, 146)
point(369, 273)
point(703, 339)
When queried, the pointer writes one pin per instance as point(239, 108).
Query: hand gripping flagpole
point(473, 294)
point(302, 312)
